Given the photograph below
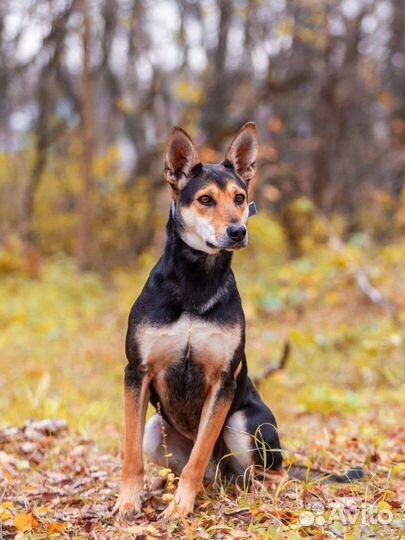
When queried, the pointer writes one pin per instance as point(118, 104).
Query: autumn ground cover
point(339, 400)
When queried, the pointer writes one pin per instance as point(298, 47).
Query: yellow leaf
point(123, 105)
point(398, 469)
point(384, 505)
point(308, 35)
point(5, 514)
point(25, 522)
point(42, 510)
point(188, 92)
point(285, 28)
point(53, 528)
point(5, 508)
point(332, 298)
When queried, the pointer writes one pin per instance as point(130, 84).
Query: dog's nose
point(236, 232)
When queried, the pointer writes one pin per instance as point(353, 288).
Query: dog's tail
point(310, 474)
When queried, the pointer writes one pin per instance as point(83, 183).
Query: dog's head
point(211, 201)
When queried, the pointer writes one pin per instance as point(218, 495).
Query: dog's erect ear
point(242, 152)
point(180, 158)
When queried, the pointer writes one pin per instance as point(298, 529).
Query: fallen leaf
point(57, 527)
point(25, 522)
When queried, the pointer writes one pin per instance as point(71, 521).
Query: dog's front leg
point(136, 403)
point(212, 420)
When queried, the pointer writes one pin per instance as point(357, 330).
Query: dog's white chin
point(196, 242)
point(200, 244)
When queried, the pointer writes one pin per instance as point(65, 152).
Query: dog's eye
point(206, 200)
point(240, 198)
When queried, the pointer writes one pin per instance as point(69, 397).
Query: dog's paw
point(129, 502)
point(181, 506)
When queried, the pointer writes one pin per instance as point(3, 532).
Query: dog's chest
point(184, 360)
point(209, 344)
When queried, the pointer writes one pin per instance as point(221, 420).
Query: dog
point(185, 342)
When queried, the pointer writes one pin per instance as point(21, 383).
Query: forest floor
point(339, 400)
point(59, 485)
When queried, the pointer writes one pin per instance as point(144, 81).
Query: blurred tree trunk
point(396, 74)
point(338, 111)
point(41, 152)
point(219, 89)
point(135, 114)
point(46, 131)
point(4, 72)
point(84, 240)
point(397, 53)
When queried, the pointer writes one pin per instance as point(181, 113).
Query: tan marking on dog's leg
point(212, 421)
point(136, 402)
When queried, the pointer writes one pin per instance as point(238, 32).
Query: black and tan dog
point(186, 336)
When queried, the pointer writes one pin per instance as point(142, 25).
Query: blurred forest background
point(89, 91)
